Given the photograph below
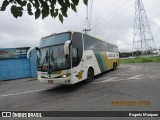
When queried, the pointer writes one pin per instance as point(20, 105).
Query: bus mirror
point(66, 47)
point(30, 50)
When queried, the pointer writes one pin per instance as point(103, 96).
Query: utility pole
point(86, 30)
point(143, 40)
point(87, 27)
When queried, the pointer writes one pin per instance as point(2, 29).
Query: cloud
point(112, 21)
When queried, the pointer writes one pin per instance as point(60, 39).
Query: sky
point(111, 20)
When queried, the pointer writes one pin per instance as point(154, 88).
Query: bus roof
point(73, 31)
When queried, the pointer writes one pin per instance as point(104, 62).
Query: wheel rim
point(89, 76)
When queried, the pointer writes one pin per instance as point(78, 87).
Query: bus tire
point(90, 76)
point(114, 67)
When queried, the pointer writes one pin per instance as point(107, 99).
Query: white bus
point(71, 57)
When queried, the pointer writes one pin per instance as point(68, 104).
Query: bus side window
point(77, 47)
point(75, 58)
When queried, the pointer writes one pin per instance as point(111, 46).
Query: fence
point(14, 64)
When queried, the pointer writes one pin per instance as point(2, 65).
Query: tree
point(54, 8)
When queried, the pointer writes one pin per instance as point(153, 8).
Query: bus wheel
point(114, 66)
point(90, 76)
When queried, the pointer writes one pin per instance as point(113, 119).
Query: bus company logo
point(88, 57)
point(80, 74)
point(6, 114)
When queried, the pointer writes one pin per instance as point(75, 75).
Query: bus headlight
point(65, 75)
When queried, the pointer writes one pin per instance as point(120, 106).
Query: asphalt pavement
point(134, 87)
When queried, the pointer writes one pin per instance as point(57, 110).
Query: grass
point(140, 60)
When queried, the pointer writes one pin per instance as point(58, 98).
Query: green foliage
point(37, 13)
point(144, 60)
point(73, 7)
point(61, 18)
point(16, 11)
point(4, 5)
point(85, 2)
point(75, 2)
point(140, 60)
point(41, 7)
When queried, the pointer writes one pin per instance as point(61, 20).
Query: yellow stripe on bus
point(109, 62)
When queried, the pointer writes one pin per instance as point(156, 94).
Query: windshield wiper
point(45, 58)
point(53, 60)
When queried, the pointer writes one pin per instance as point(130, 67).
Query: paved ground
point(138, 83)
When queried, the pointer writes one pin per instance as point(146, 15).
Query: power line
point(100, 12)
point(112, 12)
point(124, 22)
point(129, 18)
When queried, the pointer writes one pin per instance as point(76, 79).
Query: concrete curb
point(31, 79)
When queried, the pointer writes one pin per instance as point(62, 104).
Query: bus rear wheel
point(90, 76)
point(114, 66)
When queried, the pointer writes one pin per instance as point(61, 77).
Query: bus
point(70, 57)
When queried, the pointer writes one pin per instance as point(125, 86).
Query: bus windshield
point(55, 39)
point(52, 56)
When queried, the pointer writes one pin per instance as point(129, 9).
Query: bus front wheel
point(90, 76)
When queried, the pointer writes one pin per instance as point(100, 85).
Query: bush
point(147, 60)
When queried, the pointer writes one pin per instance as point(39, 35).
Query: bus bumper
point(66, 80)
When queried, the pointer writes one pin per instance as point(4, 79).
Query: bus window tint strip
point(91, 43)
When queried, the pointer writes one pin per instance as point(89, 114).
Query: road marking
point(135, 77)
point(134, 69)
point(13, 94)
point(116, 74)
point(122, 74)
point(114, 79)
point(109, 79)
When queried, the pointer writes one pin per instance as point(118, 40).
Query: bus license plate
point(50, 81)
